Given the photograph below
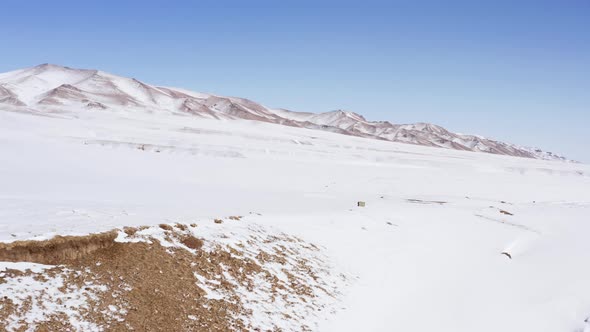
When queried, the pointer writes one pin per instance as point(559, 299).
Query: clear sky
point(517, 71)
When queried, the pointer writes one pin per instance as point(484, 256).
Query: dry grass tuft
point(192, 242)
point(182, 227)
point(166, 227)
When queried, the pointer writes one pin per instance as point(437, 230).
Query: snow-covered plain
point(425, 252)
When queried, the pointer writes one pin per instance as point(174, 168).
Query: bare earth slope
point(163, 278)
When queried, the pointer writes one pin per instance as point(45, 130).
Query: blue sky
point(518, 71)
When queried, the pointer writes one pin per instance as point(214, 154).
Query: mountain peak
point(51, 66)
point(349, 114)
point(54, 65)
point(48, 65)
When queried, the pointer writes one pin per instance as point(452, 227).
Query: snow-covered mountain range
point(54, 88)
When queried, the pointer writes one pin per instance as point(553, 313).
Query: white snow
point(37, 297)
point(435, 267)
point(23, 266)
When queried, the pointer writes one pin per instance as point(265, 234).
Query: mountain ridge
point(50, 87)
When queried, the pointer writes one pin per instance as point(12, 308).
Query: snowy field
point(425, 254)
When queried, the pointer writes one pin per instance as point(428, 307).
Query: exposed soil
point(154, 287)
point(56, 250)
